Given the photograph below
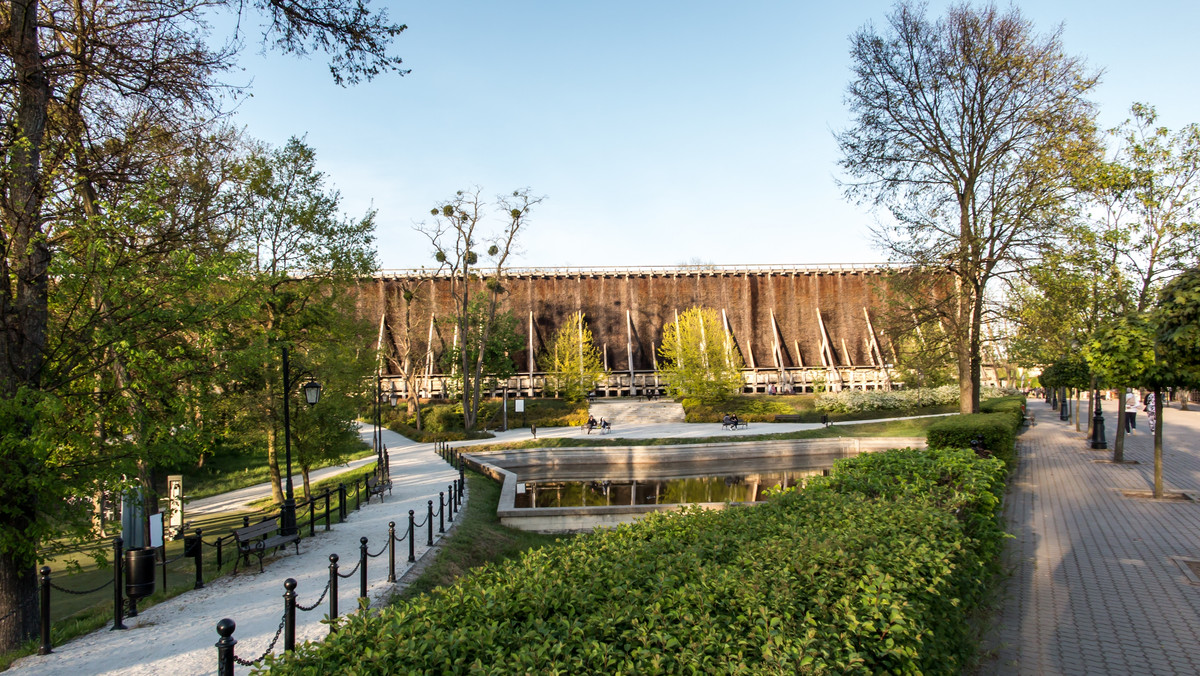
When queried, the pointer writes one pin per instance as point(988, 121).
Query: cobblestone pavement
point(1094, 586)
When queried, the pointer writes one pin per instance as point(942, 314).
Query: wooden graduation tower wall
point(797, 328)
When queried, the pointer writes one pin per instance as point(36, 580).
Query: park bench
point(258, 538)
point(376, 486)
point(604, 429)
point(739, 425)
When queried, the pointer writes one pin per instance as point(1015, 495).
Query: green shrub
point(996, 431)
point(815, 581)
point(1014, 405)
point(955, 480)
point(852, 401)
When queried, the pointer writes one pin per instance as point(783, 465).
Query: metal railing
point(449, 502)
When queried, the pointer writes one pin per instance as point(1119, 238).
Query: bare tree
point(964, 129)
point(456, 238)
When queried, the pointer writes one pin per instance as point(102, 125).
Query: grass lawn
point(478, 540)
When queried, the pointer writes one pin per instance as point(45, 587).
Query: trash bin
point(139, 572)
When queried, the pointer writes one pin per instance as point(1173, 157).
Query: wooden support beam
point(529, 392)
point(629, 349)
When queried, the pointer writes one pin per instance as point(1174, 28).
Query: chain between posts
point(352, 571)
point(315, 604)
point(268, 651)
point(72, 591)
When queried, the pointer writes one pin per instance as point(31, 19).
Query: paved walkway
point(1094, 588)
point(176, 636)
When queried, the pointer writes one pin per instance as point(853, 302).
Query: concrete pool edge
point(500, 466)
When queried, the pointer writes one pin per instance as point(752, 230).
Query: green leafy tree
point(302, 252)
point(329, 430)
point(89, 91)
point(966, 129)
point(1121, 352)
point(572, 361)
point(1160, 237)
point(699, 359)
point(491, 354)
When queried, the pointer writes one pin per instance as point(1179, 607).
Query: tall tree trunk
point(1158, 447)
point(18, 598)
point(1119, 439)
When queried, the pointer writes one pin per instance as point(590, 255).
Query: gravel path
point(177, 636)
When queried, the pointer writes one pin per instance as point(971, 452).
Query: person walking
point(1151, 410)
point(1131, 408)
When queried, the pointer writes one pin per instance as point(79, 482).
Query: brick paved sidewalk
point(1094, 588)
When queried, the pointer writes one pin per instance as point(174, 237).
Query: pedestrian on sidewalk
point(1131, 410)
point(1151, 410)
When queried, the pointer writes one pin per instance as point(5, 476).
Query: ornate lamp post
point(312, 394)
point(1099, 442)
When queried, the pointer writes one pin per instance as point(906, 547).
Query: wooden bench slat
point(257, 538)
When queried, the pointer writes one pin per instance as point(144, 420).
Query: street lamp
point(312, 394)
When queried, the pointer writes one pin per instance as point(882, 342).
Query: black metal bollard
point(225, 645)
point(387, 465)
point(450, 503)
point(441, 512)
point(198, 554)
point(246, 521)
point(357, 495)
point(312, 517)
point(342, 503)
point(327, 508)
point(220, 562)
point(391, 551)
point(362, 567)
point(44, 649)
point(429, 522)
point(118, 602)
point(289, 615)
point(333, 592)
point(162, 551)
point(1065, 408)
point(412, 523)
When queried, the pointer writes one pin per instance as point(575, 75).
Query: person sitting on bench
point(733, 421)
point(591, 423)
point(604, 425)
point(725, 421)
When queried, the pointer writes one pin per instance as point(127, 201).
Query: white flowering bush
point(856, 401)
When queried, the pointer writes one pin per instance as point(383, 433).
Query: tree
point(699, 359)
point(965, 128)
point(300, 251)
point(329, 430)
point(491, 355)
point(572, 361)
point(92, 88)
point(1161, 235)
point(1120, 353)
point(457, 239)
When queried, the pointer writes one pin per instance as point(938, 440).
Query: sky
point(660, 133)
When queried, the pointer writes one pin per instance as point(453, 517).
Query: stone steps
point(633, 412)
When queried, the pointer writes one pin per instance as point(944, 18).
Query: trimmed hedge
point(997, 430)
point(820, 580)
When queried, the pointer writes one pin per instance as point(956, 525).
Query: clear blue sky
point(661, 132)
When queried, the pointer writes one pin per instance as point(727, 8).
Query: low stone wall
point(511, 467)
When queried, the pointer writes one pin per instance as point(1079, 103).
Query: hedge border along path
point(856, 574)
